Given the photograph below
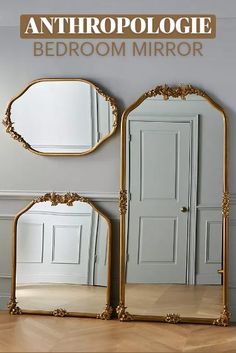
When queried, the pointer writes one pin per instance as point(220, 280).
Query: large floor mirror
point(62, 258)
point(61, 117)
point(174, 208)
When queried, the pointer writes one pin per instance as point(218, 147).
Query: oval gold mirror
point(61, 258)
point(174, 208)
point(61, 117)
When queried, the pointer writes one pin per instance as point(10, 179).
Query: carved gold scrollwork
point(113, 105)
point(172, 318)
point(106, 314)
point(225, 204)
point(123, 202)
point(59, 312)
point(13, 308)
point(10, 129)
point(123, 315)
point(175, 92)
point(56, 199)
point(224, 318)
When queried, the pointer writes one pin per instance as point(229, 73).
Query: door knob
point(184, 209)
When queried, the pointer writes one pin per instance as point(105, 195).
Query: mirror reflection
point(174, 178)
point(61, 116)
point(62, 259)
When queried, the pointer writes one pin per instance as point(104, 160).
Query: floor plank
point(34, 333)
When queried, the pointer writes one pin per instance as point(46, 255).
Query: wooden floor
point(72, 298)
point(186, 300)
point(29, 333)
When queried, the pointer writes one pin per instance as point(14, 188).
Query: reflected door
point(159, 177)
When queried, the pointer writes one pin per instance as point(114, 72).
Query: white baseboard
point(49, 278)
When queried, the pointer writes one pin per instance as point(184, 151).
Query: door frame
point(193, 121)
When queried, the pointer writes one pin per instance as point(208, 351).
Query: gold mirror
point(61, 116)
point(174, 208)
point(61, 258)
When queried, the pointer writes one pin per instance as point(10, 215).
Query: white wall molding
point(208, 206)
point(6, 216)
point(5, 275)
point(233, 199)
point(215, 206)
point(31, 194)
point(232, 286)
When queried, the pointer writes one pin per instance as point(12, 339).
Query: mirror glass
point(63, 116)
point(174, 180)
point(62, 259)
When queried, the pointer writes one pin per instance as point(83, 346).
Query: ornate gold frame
point(56, 199)
point(9, 125)
point(173, 92)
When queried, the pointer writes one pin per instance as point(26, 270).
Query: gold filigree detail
point(123, 315)
point(112, 102)
point(55, 199)
point(13, 308)
point(59, 312)
point(172, 318)
point(123, 202)
point(224, 318)
point(106, 314)
point(175, 92)
point(225, 204)
point(10, 129)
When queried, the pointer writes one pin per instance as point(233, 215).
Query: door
point(159, 178)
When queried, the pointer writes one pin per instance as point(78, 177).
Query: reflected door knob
point(184, 209)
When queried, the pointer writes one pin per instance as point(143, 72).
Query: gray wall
point(24, 174)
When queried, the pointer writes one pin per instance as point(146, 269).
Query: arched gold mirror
point(174, 208)
point(61, 258)
point(61, 117)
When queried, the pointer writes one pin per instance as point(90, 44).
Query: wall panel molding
point(35, 242)
point(6, 216)
point(31, 194)
point(5, 275)
point(75, 250)
point(233, 198)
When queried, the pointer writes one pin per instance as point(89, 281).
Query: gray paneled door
point(159, 179)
